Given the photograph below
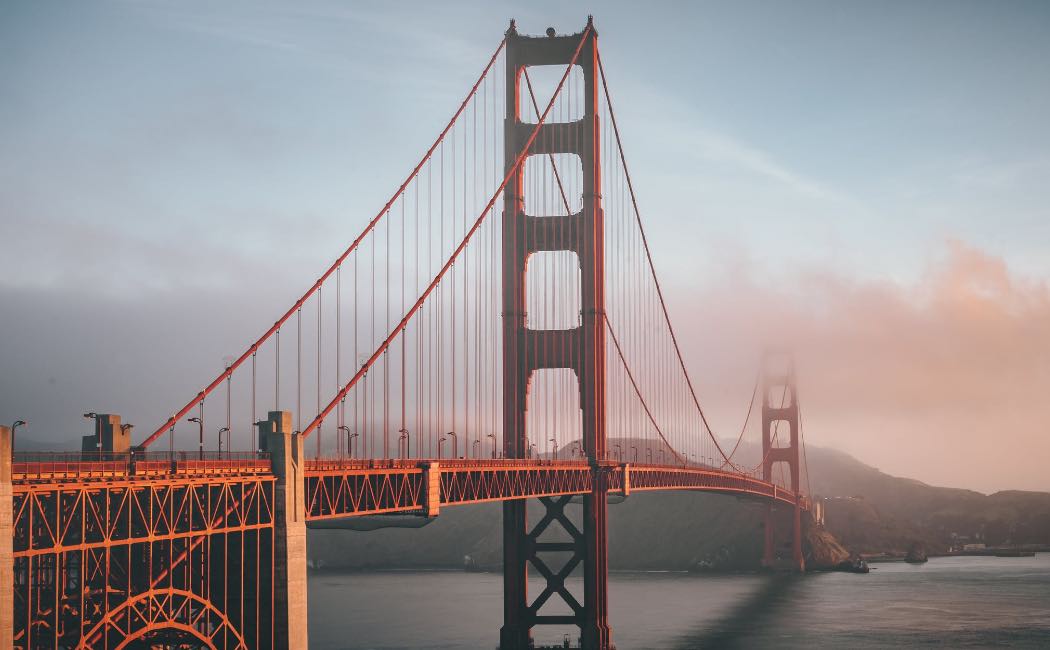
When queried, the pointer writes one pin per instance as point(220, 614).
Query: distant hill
point(869, 511)
point(873, 512)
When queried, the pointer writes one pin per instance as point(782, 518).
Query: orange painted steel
point(156, 614)
point(96, 551)
point(347, 488)
point(52, 467)
point(106, 555)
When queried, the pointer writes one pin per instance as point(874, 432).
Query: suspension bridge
point(497, 332)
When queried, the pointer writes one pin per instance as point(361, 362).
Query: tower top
point(512, 29)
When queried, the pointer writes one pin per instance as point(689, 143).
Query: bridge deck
point(109, 511)
point(338, 488)
point(343, 488)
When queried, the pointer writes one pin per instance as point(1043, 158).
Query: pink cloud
point(946, 380)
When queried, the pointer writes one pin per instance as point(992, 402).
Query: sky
point(867, 181)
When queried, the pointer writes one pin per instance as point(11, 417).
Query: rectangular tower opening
point(554, 421)
point(780, 434)
point(552, 290)
point(568, 107)
point(552, 184)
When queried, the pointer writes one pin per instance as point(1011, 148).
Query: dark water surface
point(969, 602)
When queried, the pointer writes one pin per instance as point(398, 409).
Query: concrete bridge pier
point(289, 579)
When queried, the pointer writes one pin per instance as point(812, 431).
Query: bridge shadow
point(759, 610)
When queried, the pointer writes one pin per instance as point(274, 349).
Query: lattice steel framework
point(125, 560)
point(340, 488)
point(113, 553)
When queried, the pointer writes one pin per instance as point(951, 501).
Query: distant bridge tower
point(780, 421)
point(581, 349)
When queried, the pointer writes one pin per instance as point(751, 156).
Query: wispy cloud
point(722, 148)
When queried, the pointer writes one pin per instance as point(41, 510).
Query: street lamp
point(441, 441)
point(200, 430)
point(662, 456)
point(402, 442)
point(345, 429)
point(455, 443)
point(575, 449)
point(554, 446)
point(619, 451)
point(649, 455)
point(17, 423)
point(223, 430)
point(493, 437)
point(635, 453)
point(474, 447)
point(531, 449)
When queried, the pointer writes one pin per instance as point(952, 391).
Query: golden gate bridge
point(497, 332)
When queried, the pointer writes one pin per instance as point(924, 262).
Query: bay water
point(957, 602)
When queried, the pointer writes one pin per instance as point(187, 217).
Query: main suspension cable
point(652, 268)
point(331, 269)
point(400, 327)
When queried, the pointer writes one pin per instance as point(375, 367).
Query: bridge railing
point(49, 466)
point(337, 464)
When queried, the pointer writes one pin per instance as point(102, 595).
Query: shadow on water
point(745, 617)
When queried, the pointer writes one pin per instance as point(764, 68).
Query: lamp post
point(574, 451)
point(345, 429)
point(635, 449)
point(493, 437)
point(402, 442)
point(441, 441)
point(554, 446)
point(530, 450)
point(661, 456)
point(619, 451)
point(455, 443)
point(200, 431)
point(17, 423)
point(223, 430)
point(98, 432)
point(474, 447)
point(649, 455)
